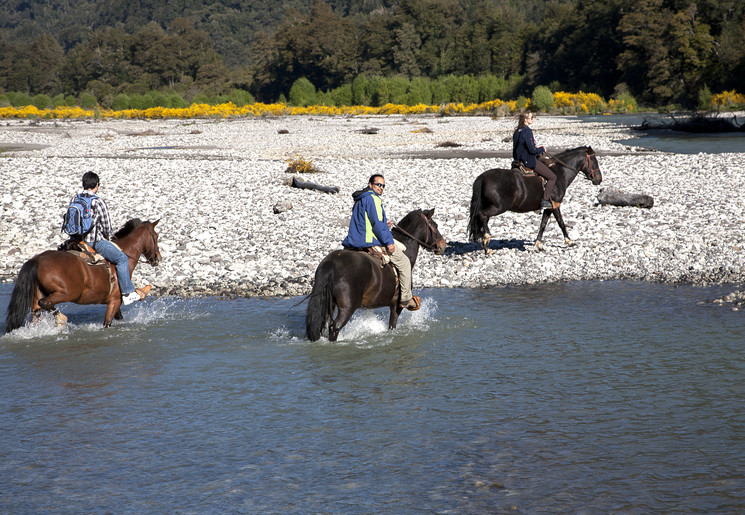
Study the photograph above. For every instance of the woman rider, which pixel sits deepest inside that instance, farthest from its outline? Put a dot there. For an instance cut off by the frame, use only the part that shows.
(525, 151)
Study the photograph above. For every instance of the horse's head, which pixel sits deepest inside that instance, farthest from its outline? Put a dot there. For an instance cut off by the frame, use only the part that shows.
(419, 226)
(591, 168)
(139, 237)
(151, 250)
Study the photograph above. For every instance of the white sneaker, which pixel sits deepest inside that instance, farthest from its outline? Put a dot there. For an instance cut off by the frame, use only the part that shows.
(130, 298)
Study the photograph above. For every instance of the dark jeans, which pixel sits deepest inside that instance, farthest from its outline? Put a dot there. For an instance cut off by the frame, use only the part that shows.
(545, 172)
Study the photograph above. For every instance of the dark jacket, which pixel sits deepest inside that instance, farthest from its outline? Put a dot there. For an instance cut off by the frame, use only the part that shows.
(368, 226)
(524, 148)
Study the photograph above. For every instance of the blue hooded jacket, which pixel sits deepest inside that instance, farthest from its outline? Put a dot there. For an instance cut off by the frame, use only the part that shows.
(523, 147)
(368, 226)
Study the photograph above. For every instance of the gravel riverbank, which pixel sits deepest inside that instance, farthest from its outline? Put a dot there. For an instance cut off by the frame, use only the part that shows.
(214, 184)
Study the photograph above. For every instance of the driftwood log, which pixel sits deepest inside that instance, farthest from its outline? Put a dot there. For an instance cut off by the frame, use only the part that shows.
(305, 185)
(613, 197)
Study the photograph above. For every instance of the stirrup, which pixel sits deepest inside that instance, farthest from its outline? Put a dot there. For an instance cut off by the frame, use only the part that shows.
(417, 303)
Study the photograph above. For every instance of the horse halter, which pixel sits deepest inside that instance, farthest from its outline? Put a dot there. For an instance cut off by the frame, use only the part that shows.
(147, 261)
(430, 230)
(588, 163)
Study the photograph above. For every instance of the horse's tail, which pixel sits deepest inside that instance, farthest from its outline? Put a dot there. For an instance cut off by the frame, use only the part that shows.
(23, 294)
(320, 305)
(475, 230)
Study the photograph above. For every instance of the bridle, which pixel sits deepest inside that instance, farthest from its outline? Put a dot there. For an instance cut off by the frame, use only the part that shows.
(586, 163)
(430, 230)
(139, 259)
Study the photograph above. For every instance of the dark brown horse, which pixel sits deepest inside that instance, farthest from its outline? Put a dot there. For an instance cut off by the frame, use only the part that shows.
(348, 279)
(499, 190)
(55, 276)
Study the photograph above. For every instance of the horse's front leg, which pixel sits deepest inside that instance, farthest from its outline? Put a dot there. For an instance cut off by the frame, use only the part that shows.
(560, 220)
(544, 220)
(112, 309)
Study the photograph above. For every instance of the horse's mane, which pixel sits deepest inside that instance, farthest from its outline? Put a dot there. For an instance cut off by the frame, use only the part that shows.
(408, 218)
(130, 226)
(586, 148)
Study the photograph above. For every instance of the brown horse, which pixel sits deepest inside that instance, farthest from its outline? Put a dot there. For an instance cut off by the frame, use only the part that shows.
(499, 190)
(55, 276)
(348, 279)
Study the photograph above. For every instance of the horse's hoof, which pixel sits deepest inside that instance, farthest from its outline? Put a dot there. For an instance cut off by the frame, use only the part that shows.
(569, 243)
(60, 319)
(538, 245)
(485, 244)
(488, 252)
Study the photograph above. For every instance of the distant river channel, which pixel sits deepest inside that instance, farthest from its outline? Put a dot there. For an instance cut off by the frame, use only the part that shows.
(584, 397)
(674, 141)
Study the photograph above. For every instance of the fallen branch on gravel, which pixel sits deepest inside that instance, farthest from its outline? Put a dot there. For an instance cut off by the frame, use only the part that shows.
(304, 185)
(613, 197)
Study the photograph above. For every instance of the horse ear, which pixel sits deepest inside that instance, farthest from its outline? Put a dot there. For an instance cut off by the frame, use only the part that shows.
(156, 222)
(429, 212)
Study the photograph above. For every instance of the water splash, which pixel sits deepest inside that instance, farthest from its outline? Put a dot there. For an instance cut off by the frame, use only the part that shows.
(90, 318)
(46, 326)
(369, 328)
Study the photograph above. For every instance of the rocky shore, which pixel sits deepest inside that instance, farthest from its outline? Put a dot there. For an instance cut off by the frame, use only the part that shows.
(214, 185)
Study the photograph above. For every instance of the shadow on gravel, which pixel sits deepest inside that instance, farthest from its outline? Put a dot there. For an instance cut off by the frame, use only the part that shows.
(457, 248)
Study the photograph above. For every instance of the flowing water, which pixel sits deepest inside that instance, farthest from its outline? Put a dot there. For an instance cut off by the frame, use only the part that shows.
(587, 397)
(673, 141)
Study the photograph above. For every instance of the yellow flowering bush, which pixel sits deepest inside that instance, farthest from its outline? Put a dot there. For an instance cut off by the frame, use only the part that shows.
(563, 102)
(578, 103)
(728, 99)
(300, 165)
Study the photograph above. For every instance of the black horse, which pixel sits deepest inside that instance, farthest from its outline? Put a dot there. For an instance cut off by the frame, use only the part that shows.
(348, 279)
(499, 190)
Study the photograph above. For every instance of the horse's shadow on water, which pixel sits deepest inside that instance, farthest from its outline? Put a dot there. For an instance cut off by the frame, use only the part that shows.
(458, 248)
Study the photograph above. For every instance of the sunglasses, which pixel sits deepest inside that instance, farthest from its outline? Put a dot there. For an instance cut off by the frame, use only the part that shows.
(379, 185)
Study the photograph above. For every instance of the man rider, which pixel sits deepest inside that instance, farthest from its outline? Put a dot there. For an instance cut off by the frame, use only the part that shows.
(369, 227)
(98, 238)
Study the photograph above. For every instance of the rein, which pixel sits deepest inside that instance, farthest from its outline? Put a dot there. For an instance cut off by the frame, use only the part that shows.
(426, 245)
(585, 163)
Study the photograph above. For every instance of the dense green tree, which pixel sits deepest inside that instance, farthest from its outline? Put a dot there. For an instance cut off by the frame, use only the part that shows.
(320, 46)
(666, 51)
(303, 93)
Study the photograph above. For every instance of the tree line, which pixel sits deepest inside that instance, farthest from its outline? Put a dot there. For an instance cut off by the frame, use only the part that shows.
(661, 52)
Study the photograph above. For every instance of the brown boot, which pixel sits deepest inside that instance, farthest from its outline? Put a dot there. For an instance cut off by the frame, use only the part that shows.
(412, 304)
(142, 292)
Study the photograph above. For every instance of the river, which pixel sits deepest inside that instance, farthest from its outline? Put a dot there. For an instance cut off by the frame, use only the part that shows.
(674, 141)
(586, 397)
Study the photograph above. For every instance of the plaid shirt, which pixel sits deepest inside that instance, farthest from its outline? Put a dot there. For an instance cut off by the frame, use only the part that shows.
(101, 221)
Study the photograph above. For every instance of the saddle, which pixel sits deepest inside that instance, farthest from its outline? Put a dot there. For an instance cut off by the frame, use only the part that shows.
(529, 172)
(520, 167)
(83, 251)
(378, 253)
(89, 256)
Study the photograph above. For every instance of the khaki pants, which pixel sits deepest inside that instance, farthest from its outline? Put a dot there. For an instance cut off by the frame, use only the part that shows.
(403, 265)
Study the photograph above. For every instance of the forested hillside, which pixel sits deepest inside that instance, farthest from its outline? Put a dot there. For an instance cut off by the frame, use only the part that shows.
(660, 51)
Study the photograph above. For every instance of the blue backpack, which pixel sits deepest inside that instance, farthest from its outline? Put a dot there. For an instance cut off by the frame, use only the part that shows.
(78, 220)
